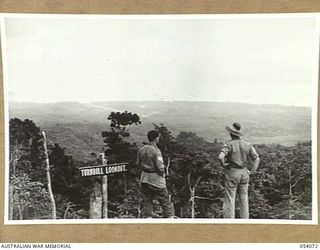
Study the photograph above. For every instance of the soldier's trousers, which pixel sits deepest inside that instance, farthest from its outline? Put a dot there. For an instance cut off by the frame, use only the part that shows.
(236, 182)
(150, 193)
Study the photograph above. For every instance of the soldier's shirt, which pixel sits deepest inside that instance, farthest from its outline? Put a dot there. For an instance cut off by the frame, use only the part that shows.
(240, 152)
(150, 158)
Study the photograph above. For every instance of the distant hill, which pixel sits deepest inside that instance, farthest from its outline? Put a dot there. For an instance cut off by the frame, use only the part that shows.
(78, 126)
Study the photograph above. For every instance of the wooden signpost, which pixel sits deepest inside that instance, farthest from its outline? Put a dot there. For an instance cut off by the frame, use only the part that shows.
(103, 170)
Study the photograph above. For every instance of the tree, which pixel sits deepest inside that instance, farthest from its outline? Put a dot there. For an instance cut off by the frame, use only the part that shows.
(26, 149)
(192, 162)
(259, 207)
(30, 198)
(293, 180)
(53, 203)
(282, 188)
(67, 183)
(119, 148)
(117, 145)
(27, 172)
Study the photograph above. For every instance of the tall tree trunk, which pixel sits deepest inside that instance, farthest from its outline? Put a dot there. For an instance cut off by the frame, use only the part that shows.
(192, 203)
(53, 204)
(95, 211)
(192, 193)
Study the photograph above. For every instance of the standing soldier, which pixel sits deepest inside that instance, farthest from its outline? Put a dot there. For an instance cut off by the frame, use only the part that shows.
(153, 182)
(235, 157)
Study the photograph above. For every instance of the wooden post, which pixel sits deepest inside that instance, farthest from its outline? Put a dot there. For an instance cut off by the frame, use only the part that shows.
(96, 202)
(99, 195)
(53, 204)
(104, 190)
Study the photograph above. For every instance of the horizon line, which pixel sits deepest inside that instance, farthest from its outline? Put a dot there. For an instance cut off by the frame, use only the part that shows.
(193, 101)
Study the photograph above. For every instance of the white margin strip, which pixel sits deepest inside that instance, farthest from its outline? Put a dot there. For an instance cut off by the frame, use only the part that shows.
(6, 114)
(316, 16)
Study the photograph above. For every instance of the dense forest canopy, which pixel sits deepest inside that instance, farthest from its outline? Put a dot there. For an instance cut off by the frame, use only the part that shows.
(281, 189)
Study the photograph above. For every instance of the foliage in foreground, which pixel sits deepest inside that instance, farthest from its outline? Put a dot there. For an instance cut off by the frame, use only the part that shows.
(281, 189)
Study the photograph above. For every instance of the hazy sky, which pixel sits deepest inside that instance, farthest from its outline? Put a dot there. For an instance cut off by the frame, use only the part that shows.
(235, 60)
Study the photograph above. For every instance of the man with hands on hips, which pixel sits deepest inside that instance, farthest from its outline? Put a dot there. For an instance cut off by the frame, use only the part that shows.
(235, 156)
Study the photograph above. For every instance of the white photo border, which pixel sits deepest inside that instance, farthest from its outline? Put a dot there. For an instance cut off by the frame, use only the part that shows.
(314, 118)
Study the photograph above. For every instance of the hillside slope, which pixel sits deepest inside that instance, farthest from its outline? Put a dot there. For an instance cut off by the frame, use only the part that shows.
(78, 126)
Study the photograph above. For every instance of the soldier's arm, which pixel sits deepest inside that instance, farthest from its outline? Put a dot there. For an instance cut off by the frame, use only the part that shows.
(255, 158)
(221, 157)
(255, 165)
(223, 154)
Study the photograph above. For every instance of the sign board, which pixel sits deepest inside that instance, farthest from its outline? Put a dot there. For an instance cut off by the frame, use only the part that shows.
(103, 169)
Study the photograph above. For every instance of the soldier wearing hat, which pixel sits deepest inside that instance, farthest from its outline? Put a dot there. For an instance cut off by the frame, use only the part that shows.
(236, 156)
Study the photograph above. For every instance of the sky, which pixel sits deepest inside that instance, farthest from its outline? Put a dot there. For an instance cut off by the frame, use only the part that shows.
(250, 60)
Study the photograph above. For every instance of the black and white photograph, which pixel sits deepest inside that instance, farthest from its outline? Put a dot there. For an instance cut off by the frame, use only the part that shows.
(160, 118)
